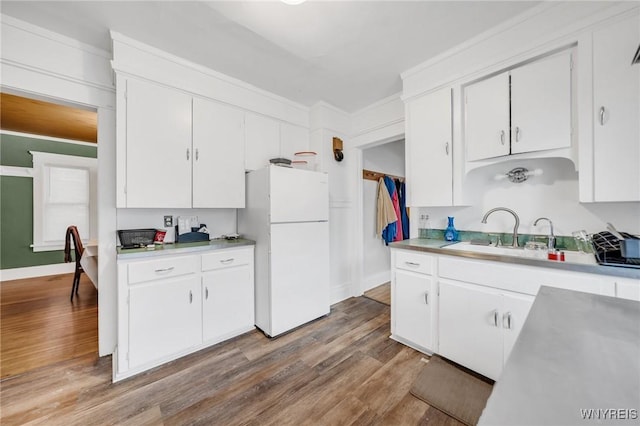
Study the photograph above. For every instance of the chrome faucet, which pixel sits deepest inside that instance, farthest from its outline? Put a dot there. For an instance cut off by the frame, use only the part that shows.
(551, 238)
(515, 228)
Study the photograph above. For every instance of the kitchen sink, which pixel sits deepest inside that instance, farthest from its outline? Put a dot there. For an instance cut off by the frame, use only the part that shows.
(570, 256)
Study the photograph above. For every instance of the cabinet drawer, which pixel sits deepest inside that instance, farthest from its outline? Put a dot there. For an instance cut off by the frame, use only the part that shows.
(416, 262)
(225, 259)
(156, 269)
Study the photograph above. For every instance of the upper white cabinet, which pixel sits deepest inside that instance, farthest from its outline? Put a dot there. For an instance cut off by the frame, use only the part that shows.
(616, 115)
(157, 146)
(218, 155)
(177, 148)
(267, 138)
(486, 129)
(526, 109)
(429, 150)
(541, 105)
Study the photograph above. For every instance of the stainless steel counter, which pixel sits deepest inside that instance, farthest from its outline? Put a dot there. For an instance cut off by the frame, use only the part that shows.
(182, 248)
(437, 246)
(578, 356)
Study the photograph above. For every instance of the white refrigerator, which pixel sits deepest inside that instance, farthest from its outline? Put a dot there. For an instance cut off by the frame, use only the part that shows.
(287, 214)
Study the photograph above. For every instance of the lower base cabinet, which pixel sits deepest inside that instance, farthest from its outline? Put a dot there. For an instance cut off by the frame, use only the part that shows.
(412, 297)
(479, 325)
(162, 317)
(169, 306)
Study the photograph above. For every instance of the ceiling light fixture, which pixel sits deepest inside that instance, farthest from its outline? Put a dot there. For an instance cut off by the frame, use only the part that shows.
(293, 2)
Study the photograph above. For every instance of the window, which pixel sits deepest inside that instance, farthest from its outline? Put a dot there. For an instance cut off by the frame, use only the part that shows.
(64, 193)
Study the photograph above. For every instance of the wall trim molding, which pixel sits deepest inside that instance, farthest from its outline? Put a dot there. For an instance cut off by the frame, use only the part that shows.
(14, 171)
(377, 279)
(36, 271)
(49, 138)
(341, 292)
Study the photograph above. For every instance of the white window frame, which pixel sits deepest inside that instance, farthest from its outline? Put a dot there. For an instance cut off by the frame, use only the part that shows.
(43, 160)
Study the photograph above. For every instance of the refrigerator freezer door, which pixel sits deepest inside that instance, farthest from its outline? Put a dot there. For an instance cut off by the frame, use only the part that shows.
(298, 195)
(299, 274)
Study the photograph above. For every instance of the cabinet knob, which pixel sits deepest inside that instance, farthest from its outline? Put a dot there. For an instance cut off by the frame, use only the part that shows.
(188, 154)
(495, 317)
(197, 154)
(190, 296)
(227, 261)
(412, 264)
(446, 148)
(164, 270)
(517, 134)
(506, 318)
(426, 298)
(206, 293)
(502, 137)
(602, 111)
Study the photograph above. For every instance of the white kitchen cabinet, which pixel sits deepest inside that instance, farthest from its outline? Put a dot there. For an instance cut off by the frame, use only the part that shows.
(429, 150)
(293, 139)
(413, 300)
(172, 305)
(486, 129)
(178, 149)
(616, 115)
(627, 288)
(525, 109)
(479, 325)
(227, 294)
(158, 146)
(164, 318)
(262, 141)
(218, 155)
(266, 138)
(541, 105)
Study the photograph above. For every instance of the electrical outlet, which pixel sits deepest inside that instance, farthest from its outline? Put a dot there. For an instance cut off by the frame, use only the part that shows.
(168, 221)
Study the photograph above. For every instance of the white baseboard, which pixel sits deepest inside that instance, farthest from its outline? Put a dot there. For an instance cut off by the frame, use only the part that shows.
(36, 271)
(341, 292)
(377, 279)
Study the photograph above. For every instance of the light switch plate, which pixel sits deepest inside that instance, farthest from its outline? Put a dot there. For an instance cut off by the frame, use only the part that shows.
(168, 221)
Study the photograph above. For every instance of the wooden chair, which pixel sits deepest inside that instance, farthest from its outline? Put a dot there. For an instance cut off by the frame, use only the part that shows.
(72, 234)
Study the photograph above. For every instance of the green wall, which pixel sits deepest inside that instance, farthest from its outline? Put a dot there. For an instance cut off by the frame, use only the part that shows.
(16, 200)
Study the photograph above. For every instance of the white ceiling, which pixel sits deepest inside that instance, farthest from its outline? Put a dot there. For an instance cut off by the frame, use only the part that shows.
(347, 53)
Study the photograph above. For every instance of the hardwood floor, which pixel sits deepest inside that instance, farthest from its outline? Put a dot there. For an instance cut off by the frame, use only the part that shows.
(381, 294)
(40, 326)
(340, 370)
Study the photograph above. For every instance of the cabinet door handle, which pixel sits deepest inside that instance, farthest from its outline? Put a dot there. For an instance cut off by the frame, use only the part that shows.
(165, 270)
(602, 116)
(206, 293)
(190, 296)
(517, 134)
(188, 153)
(227, 261)
(412, 264)
(426, 298)
(197, 154)
(495, 317)
(446, 148)
(502, 137)
(509, 320)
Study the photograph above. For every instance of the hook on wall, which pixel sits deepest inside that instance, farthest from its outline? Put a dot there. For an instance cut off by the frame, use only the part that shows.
(337, 149)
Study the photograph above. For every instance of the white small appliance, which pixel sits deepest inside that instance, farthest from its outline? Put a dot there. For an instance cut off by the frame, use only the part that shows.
(287, 214)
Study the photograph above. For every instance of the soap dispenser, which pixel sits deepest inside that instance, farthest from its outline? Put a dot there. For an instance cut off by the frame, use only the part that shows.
(450, 234)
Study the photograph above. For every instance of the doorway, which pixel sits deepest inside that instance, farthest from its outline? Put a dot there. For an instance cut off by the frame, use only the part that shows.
(389, 159)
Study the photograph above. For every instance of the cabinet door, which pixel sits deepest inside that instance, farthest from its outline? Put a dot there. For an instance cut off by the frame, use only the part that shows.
(227, 302)
(616, 95)
(486, 129)
(412, 300)
(158, 159)
(165, 317)
(262, 141)
(515, 311)
(541, 105)
(471, 327)
(293, 139)
(218, 162)
(430, 150)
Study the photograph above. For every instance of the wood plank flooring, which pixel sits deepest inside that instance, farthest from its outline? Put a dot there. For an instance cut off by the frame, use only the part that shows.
(339, 370)
(40, 326)
(381, 294)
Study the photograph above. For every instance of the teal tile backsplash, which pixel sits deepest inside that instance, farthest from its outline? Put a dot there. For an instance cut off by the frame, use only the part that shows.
(562, 242)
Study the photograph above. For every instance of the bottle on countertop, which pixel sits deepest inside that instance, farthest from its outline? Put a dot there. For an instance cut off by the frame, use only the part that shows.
(451, 233)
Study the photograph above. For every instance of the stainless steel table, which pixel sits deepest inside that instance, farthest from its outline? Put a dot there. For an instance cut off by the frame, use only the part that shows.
(576, 362)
